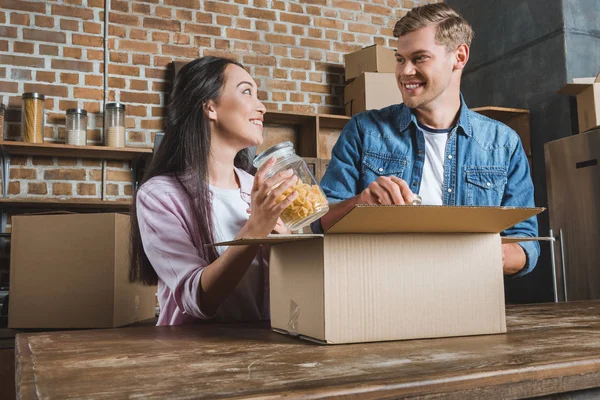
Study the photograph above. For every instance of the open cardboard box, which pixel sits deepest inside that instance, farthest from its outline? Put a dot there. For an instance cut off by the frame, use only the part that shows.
(587, 92)
(392, 273)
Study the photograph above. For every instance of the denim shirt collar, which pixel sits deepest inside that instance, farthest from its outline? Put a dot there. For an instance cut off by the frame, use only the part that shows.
(407, 116)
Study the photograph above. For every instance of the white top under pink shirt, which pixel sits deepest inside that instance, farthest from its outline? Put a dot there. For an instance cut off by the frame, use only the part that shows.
(177, 254)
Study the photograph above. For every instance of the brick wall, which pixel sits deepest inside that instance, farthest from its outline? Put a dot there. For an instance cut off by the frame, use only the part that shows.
(293, 49)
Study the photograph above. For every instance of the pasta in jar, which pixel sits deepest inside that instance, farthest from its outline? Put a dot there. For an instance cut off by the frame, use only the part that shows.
(311, 203)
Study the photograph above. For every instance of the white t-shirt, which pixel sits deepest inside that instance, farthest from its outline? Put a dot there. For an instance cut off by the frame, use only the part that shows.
(432, 182)
(229, 216)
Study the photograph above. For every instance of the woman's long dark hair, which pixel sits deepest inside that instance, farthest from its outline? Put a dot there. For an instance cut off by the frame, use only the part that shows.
(184, 155)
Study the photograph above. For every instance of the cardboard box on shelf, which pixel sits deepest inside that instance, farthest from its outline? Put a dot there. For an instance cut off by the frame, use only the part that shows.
(393, 273)
(371, 91)
(373, 58)
(587, 92)
(71, 271)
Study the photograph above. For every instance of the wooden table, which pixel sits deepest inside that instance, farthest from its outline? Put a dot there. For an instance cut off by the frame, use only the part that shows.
(550, 348)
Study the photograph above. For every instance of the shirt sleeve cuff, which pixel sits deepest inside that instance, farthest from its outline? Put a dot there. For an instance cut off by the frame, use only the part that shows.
(531, 255)
(187, 299)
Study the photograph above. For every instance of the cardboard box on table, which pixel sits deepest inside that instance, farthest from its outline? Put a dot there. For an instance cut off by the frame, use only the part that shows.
(392, 273)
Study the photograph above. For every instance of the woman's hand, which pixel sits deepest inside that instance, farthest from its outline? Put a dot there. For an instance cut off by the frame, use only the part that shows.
(265, 211)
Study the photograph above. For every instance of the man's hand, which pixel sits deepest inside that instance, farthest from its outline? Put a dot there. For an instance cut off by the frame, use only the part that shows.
(386, 190)
(513, 258)
(280, 228)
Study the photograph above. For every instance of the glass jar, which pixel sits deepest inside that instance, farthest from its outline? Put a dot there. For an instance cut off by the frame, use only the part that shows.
(32, 117)
(76, 125)
(2, 121)
(114, 125)
(311, 203)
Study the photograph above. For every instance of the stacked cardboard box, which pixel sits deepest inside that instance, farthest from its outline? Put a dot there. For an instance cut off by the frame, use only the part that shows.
(587, 91)
(370, 80)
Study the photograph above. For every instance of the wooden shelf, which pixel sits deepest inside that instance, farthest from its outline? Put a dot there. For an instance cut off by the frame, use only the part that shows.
(313, 135)
(54, 204)
(69, 151)
(286, 118)
(332, 121)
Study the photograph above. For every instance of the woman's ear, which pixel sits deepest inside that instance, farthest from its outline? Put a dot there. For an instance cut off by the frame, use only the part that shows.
(210, 110)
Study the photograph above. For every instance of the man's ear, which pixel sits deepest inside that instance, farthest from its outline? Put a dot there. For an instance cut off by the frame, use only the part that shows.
(461, 57)
(210, 110)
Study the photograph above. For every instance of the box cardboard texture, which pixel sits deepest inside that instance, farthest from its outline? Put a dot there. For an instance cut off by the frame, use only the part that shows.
(393, 273)
(373, 58)
(587, 92)
(71, 271)
(371, 91)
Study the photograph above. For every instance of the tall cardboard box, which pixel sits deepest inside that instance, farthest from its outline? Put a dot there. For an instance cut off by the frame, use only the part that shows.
(71, 271)
(371, 91)
(587, 91)
(373, 58)
(392, 273)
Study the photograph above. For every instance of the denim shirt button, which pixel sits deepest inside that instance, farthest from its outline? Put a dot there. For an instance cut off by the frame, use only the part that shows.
(488, 184)
(415, 183)
(420, 152)
(449, 190)
(450, 157)
(380, 169)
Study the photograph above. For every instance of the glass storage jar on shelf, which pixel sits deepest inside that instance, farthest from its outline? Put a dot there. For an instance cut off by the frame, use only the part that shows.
(76, 124)
(2, 110)
(311, 203)
(114, 125)
(32, 117)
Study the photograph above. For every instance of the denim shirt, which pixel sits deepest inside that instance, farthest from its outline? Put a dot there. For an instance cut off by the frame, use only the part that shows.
(485, 164)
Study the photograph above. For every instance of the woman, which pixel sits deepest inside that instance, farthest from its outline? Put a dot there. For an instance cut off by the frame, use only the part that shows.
(195, 192)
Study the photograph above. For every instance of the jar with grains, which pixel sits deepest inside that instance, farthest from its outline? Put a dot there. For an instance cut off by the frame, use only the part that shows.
(114, 125)
(32, 117)
(76, 124)
(311, 203)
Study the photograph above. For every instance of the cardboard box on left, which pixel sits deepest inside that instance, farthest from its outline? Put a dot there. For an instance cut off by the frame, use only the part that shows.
(71, 271)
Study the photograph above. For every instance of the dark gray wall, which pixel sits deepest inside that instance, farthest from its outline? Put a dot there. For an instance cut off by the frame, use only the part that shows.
(523, 52)
(582, 30)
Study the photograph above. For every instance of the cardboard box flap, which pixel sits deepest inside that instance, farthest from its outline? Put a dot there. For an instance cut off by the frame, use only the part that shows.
(430, 219)
(578, 85)
(271, 239)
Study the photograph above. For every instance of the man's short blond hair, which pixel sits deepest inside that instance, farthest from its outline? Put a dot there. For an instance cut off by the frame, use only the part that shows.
(452, 29)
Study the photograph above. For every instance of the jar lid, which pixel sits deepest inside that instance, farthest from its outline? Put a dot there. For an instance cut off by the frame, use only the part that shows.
(115, 106)
(77, 111)
(265, 155)
(31, 95)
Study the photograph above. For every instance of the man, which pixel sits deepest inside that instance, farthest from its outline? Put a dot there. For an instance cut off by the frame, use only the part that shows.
(432, 145)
